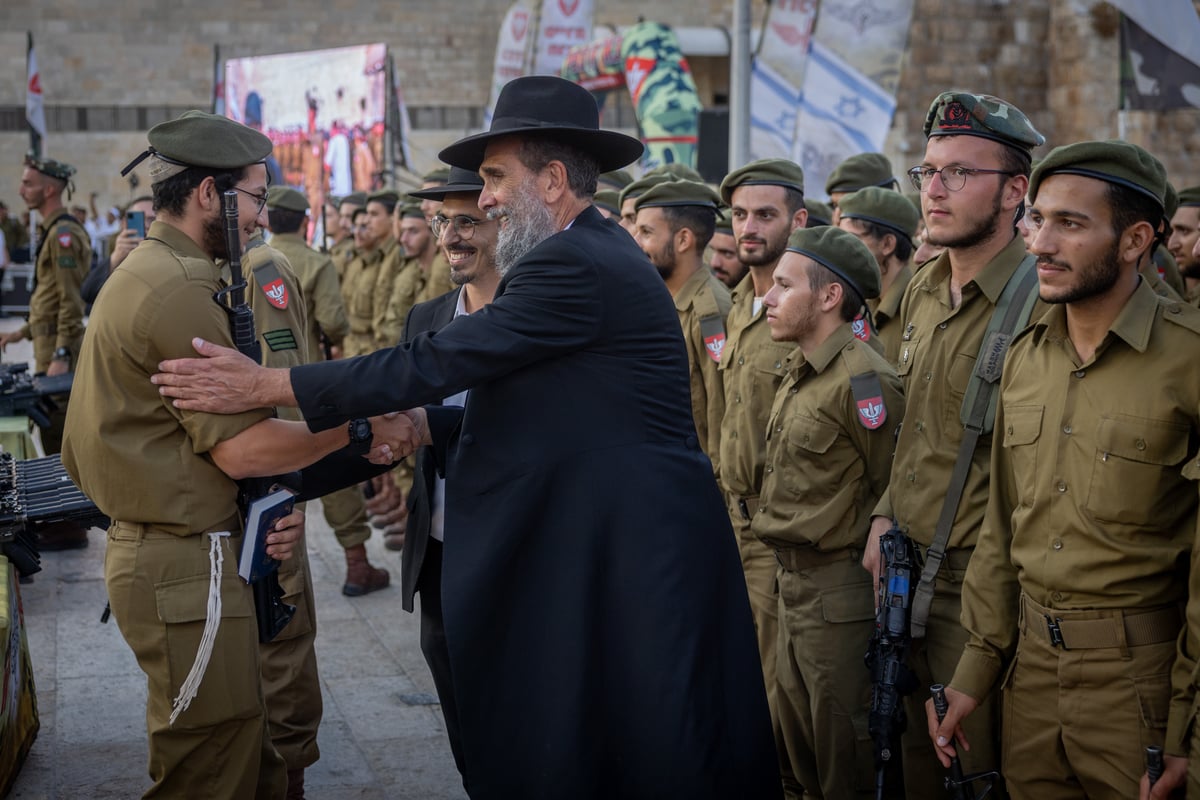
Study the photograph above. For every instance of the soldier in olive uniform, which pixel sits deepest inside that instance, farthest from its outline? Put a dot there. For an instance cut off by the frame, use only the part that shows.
(674, 223)
(885, 221)
(828, 457)
(973, 180)
(723, 254)
(1185, 235)
(343, 250)
(166, 477)
(858, 172)
(632, 191)
(1073, 597)
(62, 260)
(419, 252)
(767, 202)
(291, 682)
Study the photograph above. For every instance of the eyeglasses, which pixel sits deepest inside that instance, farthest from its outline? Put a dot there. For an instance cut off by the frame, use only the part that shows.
(463, 225)
(260, 200)
(953, 178)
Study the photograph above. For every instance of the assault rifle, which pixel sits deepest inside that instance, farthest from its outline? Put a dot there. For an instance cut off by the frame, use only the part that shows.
(272, 613)
(22, 394)
(887, 656)
(958, 784)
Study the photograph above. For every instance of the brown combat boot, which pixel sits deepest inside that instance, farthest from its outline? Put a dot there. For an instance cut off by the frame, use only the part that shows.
(361, 577)
(295, 789)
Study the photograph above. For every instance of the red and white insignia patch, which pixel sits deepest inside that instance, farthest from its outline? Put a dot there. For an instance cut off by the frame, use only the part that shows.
(872, 412)
(860, 329)
(277, 293)
(715, 345)
(64, 239)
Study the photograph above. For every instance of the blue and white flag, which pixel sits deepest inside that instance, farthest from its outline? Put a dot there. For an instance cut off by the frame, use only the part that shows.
(773, 106)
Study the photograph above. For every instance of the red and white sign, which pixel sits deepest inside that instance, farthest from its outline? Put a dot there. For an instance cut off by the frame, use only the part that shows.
(512, 52)
(564, 24)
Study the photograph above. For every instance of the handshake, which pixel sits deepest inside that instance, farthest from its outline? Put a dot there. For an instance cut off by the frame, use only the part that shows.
(397, 435)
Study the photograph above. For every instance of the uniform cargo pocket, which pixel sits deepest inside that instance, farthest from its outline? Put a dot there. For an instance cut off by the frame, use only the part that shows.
(848, 603)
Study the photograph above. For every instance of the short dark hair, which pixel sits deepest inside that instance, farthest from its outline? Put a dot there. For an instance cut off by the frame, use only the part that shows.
(701, 221)
(285, 220)
(904, 245)
(820, 276)
(171, 194)
(793, 200)
(1128, 207)
(582, 168)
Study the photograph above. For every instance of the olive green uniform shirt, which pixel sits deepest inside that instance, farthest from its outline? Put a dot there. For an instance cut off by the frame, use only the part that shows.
(127, 447)
(341, 254)
(825, 469)
(1091, 505)
(752, 367)
(703, 297)
(885, 309)
(56, 307)
(324, 307)
(438, 282)
(938, 349)
(358, 290)
(406, 288)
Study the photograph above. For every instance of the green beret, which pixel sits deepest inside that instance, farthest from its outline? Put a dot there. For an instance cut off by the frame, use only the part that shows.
(725, 222)
(198, 139)
(59, 170)
(679, 193)
(389, 197)
(617, 179)
(1190, 196)
(678, 171)
(1113, 161)
(287, 199)
(1171, 201)
(355, 199)
(439, 175)
(410, 209)
(638, 188)
(764, 172)
(818, 213)
(842, 253)
(609, 200)
(882, 207)
(956, 113)
(860, 171)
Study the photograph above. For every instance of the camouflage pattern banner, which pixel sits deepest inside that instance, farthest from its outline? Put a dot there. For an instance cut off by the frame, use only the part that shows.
(664, 94)
(597, 67)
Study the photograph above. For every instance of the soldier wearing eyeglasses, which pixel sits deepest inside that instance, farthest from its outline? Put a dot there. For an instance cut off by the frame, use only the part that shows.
(973, 180)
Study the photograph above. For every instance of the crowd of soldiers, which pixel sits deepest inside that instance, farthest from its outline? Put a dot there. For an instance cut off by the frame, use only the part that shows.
(846, 381)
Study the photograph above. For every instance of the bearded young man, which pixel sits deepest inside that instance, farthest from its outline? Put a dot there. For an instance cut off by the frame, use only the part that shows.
(596, 617)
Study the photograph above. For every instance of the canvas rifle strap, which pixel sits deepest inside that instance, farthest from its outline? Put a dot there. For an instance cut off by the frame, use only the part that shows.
(978, 416)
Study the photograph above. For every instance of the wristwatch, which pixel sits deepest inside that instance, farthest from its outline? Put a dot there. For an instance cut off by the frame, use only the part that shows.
(360, 436)
(62, 354)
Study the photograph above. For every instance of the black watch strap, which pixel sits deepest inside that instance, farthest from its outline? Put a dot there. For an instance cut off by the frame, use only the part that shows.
(360, 436)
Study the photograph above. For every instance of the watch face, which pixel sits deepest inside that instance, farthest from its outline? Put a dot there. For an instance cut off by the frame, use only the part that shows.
(360, 430)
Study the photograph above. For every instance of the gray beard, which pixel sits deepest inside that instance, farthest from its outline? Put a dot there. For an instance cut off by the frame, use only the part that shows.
(528, 223)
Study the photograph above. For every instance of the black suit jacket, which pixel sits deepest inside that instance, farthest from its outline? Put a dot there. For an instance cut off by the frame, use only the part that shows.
(432, 315)
(595, 609)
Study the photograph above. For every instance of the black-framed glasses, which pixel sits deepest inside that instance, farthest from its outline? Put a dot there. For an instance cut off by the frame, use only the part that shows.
(953, 178)
(260, 200)
(463, 225)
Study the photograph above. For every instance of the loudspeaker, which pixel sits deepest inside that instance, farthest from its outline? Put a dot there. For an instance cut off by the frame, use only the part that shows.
(712, 147)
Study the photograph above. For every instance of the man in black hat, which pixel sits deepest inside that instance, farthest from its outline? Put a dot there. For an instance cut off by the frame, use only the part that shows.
(64, 255)
(596, 616)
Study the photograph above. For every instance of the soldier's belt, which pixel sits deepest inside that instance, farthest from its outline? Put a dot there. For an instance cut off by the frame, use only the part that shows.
(143, 530)
(1094, 629)
(797, 559)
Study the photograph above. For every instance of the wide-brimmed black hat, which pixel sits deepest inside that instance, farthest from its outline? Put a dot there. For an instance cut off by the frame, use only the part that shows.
(460, 180)
(545, 104)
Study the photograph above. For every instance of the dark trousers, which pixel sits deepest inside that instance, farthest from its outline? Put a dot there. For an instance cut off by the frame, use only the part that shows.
(433, 645)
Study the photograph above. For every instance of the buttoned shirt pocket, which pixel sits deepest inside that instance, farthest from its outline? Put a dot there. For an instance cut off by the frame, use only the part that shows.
(1022, 430)
(808, 440)
(1130, 457)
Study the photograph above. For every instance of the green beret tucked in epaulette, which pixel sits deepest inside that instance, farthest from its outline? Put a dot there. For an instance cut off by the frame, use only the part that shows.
(764, 172)
(616, 179)
(818, 213)
(286, 198)
(679, 193)
(1190, 196)
(410, 209)
(676, 170)
(437, 175)
(957, 113)
(638, 188)
(725, 222)
(842, 253)
(1113, 161)
(59, 170)
(860, 171)
(882, 207)
(609, 200)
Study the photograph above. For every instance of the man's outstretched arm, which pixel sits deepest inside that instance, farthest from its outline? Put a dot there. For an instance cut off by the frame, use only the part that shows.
(223, 382)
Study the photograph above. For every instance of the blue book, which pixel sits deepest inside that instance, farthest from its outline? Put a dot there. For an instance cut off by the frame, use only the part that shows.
(261, 517)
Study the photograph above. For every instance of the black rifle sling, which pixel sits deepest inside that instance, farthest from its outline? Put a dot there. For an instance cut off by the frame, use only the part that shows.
(1011, 315)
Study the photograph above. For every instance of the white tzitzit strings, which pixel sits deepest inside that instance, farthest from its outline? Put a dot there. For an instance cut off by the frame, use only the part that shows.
(212, 620)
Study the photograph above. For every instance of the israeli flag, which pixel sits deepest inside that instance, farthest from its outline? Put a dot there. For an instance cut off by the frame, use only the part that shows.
(773, 106)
